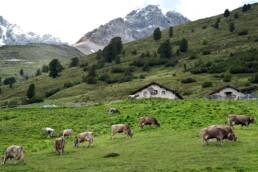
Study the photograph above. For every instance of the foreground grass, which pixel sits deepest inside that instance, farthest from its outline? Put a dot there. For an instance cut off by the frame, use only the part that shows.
(173, 147)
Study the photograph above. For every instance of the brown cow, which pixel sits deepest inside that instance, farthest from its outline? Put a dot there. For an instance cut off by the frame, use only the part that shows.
(242, 120)
(148, 121)
(121, 128)
(85, 136)
(13, 152)
(66, 133)
(217, 132)
(59, 145)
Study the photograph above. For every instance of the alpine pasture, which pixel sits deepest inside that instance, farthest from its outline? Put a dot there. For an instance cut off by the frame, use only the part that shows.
(175, 146)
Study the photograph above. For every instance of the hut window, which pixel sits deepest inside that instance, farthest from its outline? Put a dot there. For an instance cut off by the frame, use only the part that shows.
(163, 92)
(228, 94)
(154, 92)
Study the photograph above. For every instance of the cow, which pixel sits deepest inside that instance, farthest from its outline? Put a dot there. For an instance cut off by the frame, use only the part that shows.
(48, 131)
(228, 128)
(85, 136)
(218, 132)
(66, 133)
(113, 111)
(121, 128)
(13, 152)
(148, 121)
(242, 120)
(59, 145)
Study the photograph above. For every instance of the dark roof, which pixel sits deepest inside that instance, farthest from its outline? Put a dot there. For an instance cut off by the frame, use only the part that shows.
(154, 83)
(226, 86)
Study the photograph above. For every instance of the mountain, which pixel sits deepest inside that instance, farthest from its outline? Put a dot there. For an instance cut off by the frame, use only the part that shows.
(12, 34)
(137, 24)
(217, 55)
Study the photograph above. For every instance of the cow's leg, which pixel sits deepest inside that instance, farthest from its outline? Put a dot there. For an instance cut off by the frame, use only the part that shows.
(4, 160)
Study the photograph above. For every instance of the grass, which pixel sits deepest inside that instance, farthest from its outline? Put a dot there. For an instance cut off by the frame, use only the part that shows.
(175, 146)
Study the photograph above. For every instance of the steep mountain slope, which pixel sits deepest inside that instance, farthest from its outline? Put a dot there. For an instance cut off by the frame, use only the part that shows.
(31, 57)
(12, 34)
(214, 51)
(137, 24)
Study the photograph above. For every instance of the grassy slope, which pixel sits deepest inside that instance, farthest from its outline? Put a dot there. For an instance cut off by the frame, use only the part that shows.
(35, 54)
(220, 42)
(173, 147)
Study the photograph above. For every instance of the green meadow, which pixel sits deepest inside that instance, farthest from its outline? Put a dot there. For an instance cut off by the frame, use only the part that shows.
(175, 146)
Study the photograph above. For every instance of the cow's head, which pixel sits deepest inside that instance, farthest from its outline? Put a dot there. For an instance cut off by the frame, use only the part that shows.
(232, 137)
(252, 119)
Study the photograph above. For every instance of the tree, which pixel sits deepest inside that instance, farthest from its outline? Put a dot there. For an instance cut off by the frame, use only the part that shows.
(10, 81)
(99, 55)
(165, 49)
(31, 91)
(157, 34)
(171, 31)
(183, 45)
(246, 7)
(231, 27)
(216, 24)
(113, 49)
(91, 77)
(21, 72)
(55, 68)
(45, 69)
(75, 62)
(226, 13)
(38, 72)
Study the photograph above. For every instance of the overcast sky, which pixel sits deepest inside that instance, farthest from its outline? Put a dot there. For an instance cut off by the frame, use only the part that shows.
(71, 19)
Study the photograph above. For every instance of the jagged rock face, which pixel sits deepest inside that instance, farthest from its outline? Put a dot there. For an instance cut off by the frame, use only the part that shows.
(137, 24)
(12, 34)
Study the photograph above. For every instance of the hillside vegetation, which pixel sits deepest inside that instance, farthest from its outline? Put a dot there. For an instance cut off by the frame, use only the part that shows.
(221, 51)
(175, 146)
(32, 57)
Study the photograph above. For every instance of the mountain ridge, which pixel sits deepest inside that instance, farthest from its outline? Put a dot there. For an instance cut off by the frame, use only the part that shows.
(135, 25)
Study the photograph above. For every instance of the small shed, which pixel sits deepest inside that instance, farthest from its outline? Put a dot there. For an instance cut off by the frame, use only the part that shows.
(227, 93)
(155, 90)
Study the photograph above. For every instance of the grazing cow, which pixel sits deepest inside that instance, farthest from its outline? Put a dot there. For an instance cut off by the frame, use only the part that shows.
(218, 132)
(148, 121)
(66, 133)
(242, 120)
(59, 145)
(13, 152)
(48, 131)
(121, 128)
(113, 110)
(85, 136)
(228, 128)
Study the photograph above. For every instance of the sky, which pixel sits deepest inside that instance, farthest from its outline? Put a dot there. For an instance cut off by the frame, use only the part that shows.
(71, 19)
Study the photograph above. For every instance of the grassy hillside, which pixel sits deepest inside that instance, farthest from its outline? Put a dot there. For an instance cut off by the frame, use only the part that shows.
(32, 57)
(175, 146)
(214, 55)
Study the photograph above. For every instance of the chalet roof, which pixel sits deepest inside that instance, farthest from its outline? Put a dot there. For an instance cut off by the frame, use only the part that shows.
(154, 83)
(226, 86)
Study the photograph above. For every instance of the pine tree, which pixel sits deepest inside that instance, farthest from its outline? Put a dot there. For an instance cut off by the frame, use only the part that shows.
(55, 68)
(38, 72)
(157, 34)
(10, 81)
(75, 62)
(226, 13)
(21, 72)
(113, 49)
(183, 45)
(171, 31)
(31, 91)
(231, 27)
(165, 49)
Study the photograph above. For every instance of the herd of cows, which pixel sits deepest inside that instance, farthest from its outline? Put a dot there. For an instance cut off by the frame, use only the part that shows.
(218, 132)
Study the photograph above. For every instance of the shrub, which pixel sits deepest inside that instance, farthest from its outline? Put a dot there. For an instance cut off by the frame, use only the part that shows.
(134, 52)
(55, 68)
(52, 92)
(243, 32)
(231, 27)
(117, 70)
(206, 84)
(236, 16)
(165, 49)
(9, 81)
(206, 52)
(188, 80)
(31, 91)
(157, 34)
(68, 85)
(183, 45)
(74, 62)
(254, 79)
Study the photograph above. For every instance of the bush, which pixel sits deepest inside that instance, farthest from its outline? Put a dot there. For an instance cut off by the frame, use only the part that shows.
(117, 70)
(157, 34)
(254, 79)
(51, 92)
(236, 16)
(246, 7)
(188, 80)
(183, 45)
(74, 62)
(206, 52)
(68, 84)
(134, 52)
(231, 27)
(226, 13)
(243, 32)
(206, 84)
